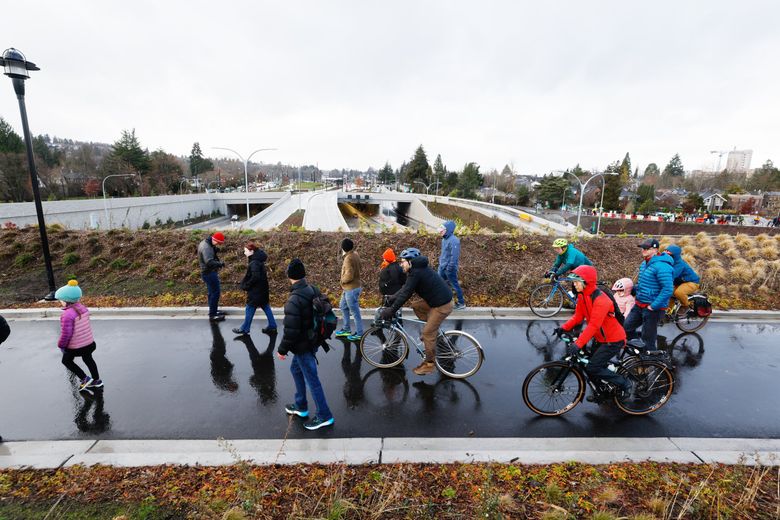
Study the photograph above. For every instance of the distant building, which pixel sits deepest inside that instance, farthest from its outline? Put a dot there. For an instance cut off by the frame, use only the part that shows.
(771, 203)
(739, 161)
(745, 202)
(714, 201)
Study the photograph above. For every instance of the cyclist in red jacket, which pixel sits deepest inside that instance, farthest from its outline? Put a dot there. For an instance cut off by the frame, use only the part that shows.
(597, 309)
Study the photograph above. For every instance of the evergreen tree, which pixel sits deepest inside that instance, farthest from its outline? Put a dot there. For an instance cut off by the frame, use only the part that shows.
(198, 164)
(625, 169)
(469, 181)
(417, 170)
(645, 192)
(14, 178)
(523, 195)
(386, 175)
(613, 185)
(50, 157)
(128, 150)
(674, 168)
(693, 202)
(10, 142)
(439, 173)
(551, 190)
(766, 178)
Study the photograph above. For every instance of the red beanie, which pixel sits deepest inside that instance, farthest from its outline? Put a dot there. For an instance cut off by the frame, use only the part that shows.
(389, 255)
(218, 237)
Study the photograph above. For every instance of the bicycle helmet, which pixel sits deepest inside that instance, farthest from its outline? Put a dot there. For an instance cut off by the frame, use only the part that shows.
(624, 284)
(560, 242)
(409, 253)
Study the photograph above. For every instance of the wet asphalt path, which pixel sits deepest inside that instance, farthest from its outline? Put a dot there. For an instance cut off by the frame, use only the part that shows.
(187, 379)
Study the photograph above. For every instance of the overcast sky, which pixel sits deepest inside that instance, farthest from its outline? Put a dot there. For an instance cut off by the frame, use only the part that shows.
(352, 84)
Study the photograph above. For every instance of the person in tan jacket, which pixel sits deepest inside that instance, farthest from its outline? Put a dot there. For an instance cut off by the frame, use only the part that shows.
(350, 297)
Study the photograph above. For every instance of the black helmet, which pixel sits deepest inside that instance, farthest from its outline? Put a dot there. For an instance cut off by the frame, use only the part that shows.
(409, 253)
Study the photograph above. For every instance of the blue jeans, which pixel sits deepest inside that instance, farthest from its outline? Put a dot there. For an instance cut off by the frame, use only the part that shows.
(451, 277)
(304, 372)
(648, 320)
(350, 303)
(249, 314)
(212, 285)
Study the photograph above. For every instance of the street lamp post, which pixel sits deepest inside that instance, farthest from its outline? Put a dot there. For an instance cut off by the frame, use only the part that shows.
(582, 191)
(427, 188)
(105, 205)
(16, 67)
(246, 171)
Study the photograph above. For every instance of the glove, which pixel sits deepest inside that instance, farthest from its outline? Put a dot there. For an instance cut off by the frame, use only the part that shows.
(573, 350)
(558, 331)
(387, 313)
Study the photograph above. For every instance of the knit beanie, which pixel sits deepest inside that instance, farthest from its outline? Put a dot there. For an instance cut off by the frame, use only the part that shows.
(70, 293)
(218, 237)
(389, 255)
(296, 271)
(347, 245)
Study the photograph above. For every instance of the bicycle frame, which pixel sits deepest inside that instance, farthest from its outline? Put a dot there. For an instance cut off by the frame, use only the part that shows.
(409, 337)
(558, 287)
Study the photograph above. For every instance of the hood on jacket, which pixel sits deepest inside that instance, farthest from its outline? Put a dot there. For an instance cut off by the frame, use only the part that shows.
(259, 256)
(389, 255)
(419, 262)
(449, 228)
(667, 259)
(674, 251)
(627, 283)
(589, 274)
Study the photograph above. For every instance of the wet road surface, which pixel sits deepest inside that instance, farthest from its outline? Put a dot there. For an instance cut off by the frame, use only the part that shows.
(189, 379)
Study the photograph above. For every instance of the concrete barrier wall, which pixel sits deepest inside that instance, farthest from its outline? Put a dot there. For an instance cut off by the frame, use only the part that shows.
(420, 213)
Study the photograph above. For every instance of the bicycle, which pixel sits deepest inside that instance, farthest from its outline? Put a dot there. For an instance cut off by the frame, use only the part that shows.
(386, 345)
(554, 388)
(694, 318)
(546, 300)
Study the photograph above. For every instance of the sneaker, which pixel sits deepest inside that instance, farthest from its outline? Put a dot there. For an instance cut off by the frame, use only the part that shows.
(459, 306)
(354, 337)
(96, 383)
(425, 368)
(317, 423)
(240, 332)
(628, 391)
(221, 313)
(343, 333)
(269, 330)
(292, 409)
(85, 383)
(218, 317)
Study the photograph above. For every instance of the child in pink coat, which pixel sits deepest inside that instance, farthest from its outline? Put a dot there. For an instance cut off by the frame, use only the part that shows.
(622, 292)
(76, 338)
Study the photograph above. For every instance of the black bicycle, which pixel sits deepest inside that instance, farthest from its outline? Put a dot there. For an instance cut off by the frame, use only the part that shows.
(555, 388)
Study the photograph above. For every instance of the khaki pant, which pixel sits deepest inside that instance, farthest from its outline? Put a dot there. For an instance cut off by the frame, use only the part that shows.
(433, 318)
(681, 293)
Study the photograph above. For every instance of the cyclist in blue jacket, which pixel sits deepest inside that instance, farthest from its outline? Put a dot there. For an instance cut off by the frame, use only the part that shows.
(654, 287)
(449, 259)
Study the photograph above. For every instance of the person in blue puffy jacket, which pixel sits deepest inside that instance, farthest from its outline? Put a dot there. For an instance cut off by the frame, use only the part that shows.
(449, 259)
(654, 287)
(686, 280)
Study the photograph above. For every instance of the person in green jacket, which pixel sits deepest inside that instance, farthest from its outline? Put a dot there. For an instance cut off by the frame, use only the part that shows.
(569, 257)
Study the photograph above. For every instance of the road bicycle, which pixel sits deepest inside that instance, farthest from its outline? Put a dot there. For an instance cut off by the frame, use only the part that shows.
(697, 315)
(555, 388)
(386, 345)
(546, 300)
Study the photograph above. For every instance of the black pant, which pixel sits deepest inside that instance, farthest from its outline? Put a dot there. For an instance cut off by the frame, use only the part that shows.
(597, 365)
(84, 353)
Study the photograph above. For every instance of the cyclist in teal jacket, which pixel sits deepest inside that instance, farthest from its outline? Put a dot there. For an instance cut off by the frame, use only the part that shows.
(569, 258)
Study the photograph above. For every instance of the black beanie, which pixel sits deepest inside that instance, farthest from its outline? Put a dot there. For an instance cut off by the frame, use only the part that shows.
(296, 271)
(347, 245)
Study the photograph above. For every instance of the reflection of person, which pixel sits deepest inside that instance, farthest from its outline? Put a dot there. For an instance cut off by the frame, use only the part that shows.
(100, 422)
(76, 339)
(209, 265)
(255, 283)
(353, 384)
(449, 260)
(299, 339)
(263, 379)
(221, 367)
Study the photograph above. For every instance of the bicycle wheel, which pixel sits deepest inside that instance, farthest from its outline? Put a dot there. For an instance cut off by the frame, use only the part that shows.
(653, 386)
(553, 389)
(384, 347)
(546, 300)
(458, 354)
(691, 322)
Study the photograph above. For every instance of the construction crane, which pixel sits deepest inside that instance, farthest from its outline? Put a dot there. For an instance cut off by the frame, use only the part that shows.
(720, 156)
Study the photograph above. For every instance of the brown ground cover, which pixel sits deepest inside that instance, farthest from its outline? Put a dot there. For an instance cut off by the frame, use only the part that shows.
(469, 218)
(159, 268)
(634, 227)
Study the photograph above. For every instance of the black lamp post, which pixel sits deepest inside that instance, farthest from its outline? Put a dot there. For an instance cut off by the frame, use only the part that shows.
(16, 67)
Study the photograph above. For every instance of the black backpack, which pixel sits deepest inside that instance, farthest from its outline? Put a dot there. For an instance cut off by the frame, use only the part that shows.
(5, 330)
(615, 308)
(325, 320)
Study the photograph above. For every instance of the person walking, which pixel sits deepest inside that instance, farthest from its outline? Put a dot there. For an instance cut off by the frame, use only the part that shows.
(298, 339)
(391, 275)
(350, 295)
(5, 331)
(654, 288)
(433, 307)
(449, 260)
(210, 264)
(255, 283)
(76, 338)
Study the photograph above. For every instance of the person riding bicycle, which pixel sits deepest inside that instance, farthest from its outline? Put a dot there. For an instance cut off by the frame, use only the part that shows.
(597, 309)
(433, 307)
(569, 257)
(686, 280)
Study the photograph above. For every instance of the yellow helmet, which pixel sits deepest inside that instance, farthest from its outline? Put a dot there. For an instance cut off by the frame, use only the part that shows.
(560, 242)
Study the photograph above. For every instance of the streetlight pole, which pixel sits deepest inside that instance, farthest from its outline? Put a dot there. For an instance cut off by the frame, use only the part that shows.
(582, 190)
(16, 67)
(105, 205)
(427, 188)
(246, 171)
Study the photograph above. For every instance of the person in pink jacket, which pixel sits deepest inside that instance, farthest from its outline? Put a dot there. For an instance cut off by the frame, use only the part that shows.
(76, 338)
(622, 292)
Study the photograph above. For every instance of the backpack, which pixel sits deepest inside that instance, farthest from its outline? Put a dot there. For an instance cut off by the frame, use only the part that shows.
(325, 320)
(701, 304)
(615, 308)
(5, 330)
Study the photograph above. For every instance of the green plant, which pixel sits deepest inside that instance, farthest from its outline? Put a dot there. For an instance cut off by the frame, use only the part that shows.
(119, 263)
(70, 258)
(96, 261)
(170, 283)
(146, 225)
(22, 259)
(147, 510)
(448, 492)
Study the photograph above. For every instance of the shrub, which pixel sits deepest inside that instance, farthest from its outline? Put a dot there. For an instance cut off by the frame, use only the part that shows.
(146, 225)
(22, 259)
(769, 251)
(704, 252)
(703, 239)
(96, 261)
(743, 241)
(152, 270)
(119, 263)
(684, 241)
(70, 258)
(715, 273)
(731, 253)
(10, 225)
(753, 252)
(55, 227)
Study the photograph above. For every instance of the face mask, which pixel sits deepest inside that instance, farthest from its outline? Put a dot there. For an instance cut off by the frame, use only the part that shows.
(247, 252)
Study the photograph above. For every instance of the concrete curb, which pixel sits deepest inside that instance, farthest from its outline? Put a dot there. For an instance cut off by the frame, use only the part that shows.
(602, 450)
(470, 313)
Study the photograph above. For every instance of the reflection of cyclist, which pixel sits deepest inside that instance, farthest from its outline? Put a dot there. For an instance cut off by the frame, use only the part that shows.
(686, 281)
(433, 308)
(597, 309)
(568, 258)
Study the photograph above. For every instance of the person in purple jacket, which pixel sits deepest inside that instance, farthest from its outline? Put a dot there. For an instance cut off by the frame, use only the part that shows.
(76, 339)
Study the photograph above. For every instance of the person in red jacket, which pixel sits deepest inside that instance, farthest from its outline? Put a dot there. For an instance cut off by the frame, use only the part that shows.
(597, 309)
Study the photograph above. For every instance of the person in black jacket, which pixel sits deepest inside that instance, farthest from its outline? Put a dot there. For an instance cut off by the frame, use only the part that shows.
(391, 276)
(299, 339)
(255, 283)
(435, 306)
(5, 331)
